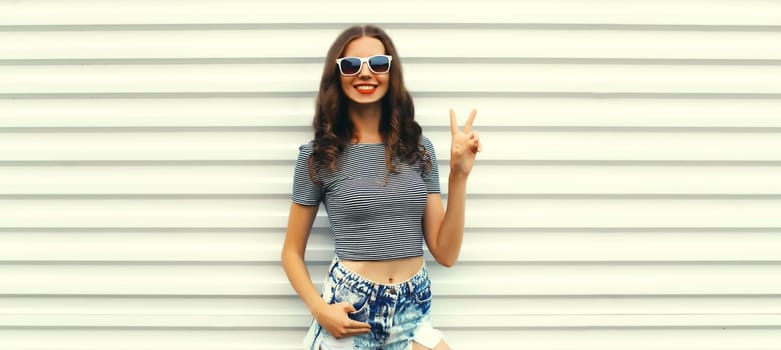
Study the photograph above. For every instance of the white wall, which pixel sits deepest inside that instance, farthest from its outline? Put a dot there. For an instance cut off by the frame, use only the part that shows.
(627, 196)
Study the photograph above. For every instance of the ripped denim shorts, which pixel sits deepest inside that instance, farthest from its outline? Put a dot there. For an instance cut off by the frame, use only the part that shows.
(398, 313)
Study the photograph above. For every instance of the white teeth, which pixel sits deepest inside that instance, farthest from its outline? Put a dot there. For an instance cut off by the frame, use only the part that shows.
(364, 87)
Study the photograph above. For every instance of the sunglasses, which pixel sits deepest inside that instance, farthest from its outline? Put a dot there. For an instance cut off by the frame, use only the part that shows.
(378, 64)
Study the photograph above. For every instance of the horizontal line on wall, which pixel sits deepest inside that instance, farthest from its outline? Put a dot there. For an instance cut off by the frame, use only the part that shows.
(146, 328)
(170, 162)
(442, 162)
(297, 128)
(323, 230)
(472, 231)
(604, 162)
(164, 61)
(488, 296)
(613, 328)
(392, 25)
(488, 330)
(136, 262)
(271, 230)
(483, 263)
(303, 329)
(677, 196)
(408, 59)
(705, 230)
(451, 94)
(519, 262)
(601, 95)
(601, 128)
(186, 230)
(175, 95)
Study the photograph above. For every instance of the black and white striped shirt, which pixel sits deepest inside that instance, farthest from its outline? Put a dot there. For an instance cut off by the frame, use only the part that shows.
(370, 220)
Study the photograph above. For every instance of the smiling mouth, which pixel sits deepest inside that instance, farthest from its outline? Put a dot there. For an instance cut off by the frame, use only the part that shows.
(365, 89)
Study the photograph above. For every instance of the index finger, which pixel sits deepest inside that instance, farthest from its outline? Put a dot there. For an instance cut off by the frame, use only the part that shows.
(359, 325)
(469, 121)
(453, 122)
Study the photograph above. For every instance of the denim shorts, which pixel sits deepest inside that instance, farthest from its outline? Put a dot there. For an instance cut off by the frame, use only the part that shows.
(398, 313)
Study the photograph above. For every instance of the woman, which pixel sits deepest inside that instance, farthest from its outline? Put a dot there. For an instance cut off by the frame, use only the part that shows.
(377, 177)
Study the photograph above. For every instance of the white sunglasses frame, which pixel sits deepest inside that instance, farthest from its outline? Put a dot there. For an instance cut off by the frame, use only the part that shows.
(363, 60)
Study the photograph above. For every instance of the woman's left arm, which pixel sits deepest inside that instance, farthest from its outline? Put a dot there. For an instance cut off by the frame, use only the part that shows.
(444, 229)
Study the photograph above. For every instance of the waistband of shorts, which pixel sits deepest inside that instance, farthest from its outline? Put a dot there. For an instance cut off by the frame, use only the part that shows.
(338, 270)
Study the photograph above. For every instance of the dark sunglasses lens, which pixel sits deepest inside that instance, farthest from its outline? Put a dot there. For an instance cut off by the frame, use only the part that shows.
(379, 64)
(350, 65)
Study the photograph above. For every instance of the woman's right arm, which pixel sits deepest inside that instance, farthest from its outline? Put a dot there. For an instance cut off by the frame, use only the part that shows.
(331, 317)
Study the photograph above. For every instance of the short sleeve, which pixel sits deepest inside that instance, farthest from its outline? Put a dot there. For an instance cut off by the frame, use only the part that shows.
(305, 191)
(431, 178)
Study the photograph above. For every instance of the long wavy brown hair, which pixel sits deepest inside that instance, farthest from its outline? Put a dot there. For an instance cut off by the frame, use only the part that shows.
(333, 128)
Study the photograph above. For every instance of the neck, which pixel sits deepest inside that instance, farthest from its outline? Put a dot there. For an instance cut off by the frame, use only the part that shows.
(366, 122)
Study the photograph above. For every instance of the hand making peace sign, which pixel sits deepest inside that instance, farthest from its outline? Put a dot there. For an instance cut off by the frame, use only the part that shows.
(464, 145)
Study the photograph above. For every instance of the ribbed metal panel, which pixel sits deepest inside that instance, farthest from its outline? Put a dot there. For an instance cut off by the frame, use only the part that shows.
(627, 196)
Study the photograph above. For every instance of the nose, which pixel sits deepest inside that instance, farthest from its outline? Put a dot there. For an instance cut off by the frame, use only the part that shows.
(365, 73)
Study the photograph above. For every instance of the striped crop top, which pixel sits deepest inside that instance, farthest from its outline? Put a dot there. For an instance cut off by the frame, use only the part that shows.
(370, 220)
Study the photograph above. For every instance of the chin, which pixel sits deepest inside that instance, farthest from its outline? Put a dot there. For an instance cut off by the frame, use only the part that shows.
(366, 99)
(363, 100)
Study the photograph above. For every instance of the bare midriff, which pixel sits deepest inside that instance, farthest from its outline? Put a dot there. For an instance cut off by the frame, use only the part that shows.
(386, 271)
